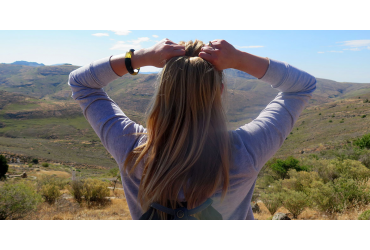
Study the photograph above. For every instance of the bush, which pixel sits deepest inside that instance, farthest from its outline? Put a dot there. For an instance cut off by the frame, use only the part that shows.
(364, 216)
(95, 191)
(4, 167)
(272, 201)
(352, 170)
(281, 167)
(45, 164)
(30, 165)
(77, 190)
(324, 198)
(50, 186)
(35, 161)
(91, 190)
(350, 192)
(17, 200)
(50, 192)
(295, 202)
(363, 142)
(300, 181)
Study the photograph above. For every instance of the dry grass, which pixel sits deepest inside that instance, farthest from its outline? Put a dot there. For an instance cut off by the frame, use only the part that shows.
(310, 214)
(68, 209)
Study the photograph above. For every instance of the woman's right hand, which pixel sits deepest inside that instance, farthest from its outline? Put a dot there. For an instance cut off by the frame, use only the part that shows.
(161, 52)
(221, 54)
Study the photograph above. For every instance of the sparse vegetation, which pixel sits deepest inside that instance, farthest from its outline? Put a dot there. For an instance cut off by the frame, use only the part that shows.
(365, 215)
(17, 200)
(45, 164)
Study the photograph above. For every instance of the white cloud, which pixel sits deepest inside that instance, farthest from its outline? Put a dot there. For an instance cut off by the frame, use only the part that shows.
(121, 45)
(155, 36)
(132, 44)
(334, 51)
(356, 43)
(251, 47)
(140, 39)
(353, 49)
(320, 52)
(100, 34)
(121, 32)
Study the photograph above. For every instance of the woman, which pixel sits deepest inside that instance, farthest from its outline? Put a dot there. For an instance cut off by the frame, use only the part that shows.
(186, 152)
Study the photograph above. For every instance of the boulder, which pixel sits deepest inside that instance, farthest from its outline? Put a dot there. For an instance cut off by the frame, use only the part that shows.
(280, 216)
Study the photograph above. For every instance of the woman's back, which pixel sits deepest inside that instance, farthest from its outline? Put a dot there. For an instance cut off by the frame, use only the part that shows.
(252, 144)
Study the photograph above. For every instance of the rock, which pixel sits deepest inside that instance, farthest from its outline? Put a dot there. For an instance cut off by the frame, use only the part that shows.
(280, 216)
(24, 175)
(255, 207)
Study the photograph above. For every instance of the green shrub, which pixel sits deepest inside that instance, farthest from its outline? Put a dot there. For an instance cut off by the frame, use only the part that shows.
(363, 116)
(30, 165)
(300, 181)
(91, 190)
(95, 191)
(35, 161)
(330, 121)
(324, 197)
(281, 167)
(341, 121)
(77, 190)
(45, 164)
(272, 201)
(350, 192)
(50, 192)
(4, 167)
(353, 170)
(364, 216)
(17, 200)
(363, 142)
(295, 202)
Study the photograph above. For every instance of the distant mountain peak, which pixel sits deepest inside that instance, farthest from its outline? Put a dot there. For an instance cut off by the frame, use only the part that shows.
(33, 64)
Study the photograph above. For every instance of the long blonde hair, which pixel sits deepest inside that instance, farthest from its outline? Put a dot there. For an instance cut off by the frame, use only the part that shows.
(187, 144)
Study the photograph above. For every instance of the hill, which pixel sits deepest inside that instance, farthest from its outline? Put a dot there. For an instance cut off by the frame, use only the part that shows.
(33, 64)
(38, 117)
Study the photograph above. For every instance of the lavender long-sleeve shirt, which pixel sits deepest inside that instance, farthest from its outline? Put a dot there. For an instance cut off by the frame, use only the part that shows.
(254, 143)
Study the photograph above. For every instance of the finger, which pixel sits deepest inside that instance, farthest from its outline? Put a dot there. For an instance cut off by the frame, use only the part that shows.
(208, 49)
(167, 41)
(179, 52)
(178, 47)
(205, 56)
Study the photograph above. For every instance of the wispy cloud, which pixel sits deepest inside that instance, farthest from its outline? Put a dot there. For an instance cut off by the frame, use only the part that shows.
(121, 45)
(356, 45)
(251, 47)
(335, 51)
(353, 49)
(155, 36)
(100, 34)
(320, 52)
(121, 32)
(132, 44)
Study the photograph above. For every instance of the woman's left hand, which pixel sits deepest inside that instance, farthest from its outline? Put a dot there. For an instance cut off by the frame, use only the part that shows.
(161, 52)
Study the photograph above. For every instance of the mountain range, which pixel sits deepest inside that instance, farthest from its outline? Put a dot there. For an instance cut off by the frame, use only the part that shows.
(38, 117)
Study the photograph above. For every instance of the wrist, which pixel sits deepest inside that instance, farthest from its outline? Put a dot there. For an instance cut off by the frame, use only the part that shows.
(140, 59)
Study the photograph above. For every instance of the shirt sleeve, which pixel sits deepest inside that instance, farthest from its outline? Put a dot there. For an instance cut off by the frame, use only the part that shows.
(115, 130)
(265, 135)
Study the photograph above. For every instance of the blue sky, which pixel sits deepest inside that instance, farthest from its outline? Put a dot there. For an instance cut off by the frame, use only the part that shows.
(337, 55)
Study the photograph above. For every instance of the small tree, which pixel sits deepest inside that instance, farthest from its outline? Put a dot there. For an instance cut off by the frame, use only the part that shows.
(272, 201)
(3, 167)
(114, 172)
(17, 200)
(295, 202)
(281, 167)
(35, 161)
